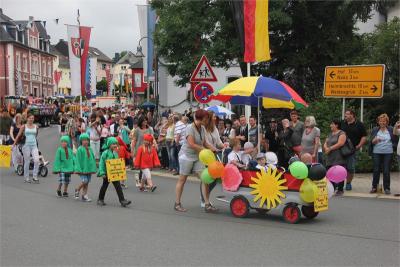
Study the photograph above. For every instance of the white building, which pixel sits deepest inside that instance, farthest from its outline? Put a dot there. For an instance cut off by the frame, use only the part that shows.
(378, 18)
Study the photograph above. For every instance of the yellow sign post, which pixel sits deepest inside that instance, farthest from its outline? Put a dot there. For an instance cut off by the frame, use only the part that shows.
(116, 170)
(5, 156)
(321, 196)
(364, 81)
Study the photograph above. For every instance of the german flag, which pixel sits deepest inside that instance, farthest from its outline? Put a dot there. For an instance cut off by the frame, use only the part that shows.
(251, 17)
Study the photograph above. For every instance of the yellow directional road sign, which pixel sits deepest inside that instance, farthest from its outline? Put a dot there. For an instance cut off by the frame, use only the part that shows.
(365, 81)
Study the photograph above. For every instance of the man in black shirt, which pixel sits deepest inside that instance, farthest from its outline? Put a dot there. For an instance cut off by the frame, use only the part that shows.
(272, 136)
(356, 132)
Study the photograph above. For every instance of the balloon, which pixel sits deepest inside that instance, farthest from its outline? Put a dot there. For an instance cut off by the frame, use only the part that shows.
(206, 156)
(330, 188)
(336, 174)
(231, 178)
(317, 172)
(299, 170)
(308, 191)
(205, 177)
(216, 169)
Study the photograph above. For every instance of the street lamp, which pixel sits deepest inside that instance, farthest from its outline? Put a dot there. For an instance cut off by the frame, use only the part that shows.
(139, 53)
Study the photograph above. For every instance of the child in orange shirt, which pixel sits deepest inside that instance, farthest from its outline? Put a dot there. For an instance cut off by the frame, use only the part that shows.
(146, 159)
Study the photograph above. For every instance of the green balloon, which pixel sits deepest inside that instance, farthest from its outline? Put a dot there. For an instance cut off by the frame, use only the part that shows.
(299, 170)
(206, 177)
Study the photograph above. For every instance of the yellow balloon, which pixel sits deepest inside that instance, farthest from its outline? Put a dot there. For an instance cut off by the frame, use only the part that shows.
(206, 156)
(308, 191)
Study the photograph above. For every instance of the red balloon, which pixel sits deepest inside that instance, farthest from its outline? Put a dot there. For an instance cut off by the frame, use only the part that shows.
(216, 169)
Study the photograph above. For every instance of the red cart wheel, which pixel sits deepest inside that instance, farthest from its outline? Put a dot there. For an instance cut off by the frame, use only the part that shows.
(240, 207)
(291, 214)
(308, 212)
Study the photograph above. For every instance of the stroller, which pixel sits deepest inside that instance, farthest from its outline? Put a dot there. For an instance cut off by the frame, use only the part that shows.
(43, 170)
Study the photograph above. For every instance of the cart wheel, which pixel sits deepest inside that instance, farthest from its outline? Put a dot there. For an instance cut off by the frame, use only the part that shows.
(44, 171)
(308, 212)
(20, 170)
(261, 211)
(291, 213)
(240, 207)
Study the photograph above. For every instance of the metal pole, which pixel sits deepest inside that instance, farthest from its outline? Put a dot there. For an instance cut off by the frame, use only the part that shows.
(362, 110)
(343, 107)
(247, 108)
(80, 96)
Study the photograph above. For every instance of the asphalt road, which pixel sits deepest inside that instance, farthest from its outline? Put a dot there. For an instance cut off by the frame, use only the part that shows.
(39, 229)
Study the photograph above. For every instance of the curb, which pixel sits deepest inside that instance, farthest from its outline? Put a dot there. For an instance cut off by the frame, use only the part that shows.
(346, 194)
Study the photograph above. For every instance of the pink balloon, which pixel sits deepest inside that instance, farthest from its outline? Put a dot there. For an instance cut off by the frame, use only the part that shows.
(231, 178)
(336, 174)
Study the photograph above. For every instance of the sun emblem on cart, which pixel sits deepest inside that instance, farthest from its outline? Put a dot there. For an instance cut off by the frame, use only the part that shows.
(267, 188)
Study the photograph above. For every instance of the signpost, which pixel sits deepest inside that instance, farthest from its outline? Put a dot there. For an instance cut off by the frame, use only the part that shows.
(363, 81)
(203, 93)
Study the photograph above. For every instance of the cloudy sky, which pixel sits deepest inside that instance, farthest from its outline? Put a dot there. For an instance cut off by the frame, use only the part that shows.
(115, 22)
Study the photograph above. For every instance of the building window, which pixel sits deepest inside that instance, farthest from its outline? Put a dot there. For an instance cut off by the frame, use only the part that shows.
(44, 69)
(24, 64)
(69, 75)
(103, 66)
(18, 62)
(138, 80)
(49, 72)
(123, 67)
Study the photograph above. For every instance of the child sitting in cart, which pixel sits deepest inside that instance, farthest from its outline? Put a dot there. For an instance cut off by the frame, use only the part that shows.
(235, 157)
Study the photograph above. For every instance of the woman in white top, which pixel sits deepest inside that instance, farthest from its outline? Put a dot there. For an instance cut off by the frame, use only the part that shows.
(29, 132)
(95, 134)
(169, 140)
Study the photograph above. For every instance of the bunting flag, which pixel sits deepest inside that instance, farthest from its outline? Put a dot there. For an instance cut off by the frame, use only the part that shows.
(251, 21)
(57, 76)
(93, 78)
(84, 33)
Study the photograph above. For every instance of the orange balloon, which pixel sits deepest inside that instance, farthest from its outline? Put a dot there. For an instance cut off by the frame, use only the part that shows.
(216, 169)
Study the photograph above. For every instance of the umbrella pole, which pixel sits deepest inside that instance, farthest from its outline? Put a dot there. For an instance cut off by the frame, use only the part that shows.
(247, 108)
(258, 126)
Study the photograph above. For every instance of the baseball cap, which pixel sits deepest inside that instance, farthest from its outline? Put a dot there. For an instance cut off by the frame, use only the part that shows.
(260, 156)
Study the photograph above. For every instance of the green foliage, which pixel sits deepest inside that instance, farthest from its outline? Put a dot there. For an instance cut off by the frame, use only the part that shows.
(102, 85)
(188, 29)
(324, 110)
(383, 47)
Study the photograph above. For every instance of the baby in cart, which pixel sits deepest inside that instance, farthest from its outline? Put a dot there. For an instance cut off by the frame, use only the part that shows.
(18, 162)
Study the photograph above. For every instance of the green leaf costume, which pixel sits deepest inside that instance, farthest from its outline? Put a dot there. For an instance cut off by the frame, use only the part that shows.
(85, 163)
(107, 154)
(61, 162)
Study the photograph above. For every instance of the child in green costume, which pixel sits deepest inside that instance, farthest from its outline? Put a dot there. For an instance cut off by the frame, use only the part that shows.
(85, 166)
(110, 152)
(64, 165)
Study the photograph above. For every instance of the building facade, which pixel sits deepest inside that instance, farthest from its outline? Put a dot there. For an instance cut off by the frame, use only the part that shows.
(26, 62)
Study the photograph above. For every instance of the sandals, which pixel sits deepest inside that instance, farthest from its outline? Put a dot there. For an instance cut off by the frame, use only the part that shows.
(209, 208)
(178, 207)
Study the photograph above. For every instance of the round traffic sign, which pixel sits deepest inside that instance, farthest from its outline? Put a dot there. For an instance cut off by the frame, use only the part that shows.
(203, 93)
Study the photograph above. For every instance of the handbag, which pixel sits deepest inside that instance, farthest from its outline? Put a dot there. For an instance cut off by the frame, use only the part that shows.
(348, 148)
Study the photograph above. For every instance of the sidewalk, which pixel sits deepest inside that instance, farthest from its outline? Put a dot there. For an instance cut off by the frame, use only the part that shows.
(361, 184)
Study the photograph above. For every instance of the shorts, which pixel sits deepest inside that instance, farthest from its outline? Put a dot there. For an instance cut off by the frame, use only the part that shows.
(186, 167)
(64, 178)
(351, 163)
(85, 178)
(146, 174)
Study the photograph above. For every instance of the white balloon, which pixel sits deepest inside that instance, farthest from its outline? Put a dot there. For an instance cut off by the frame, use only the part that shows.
(330, 188)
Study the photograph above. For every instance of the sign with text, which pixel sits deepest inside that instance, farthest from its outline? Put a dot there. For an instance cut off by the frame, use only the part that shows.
(364, 81)
(321, 196)
(5, 156)
(116, 170)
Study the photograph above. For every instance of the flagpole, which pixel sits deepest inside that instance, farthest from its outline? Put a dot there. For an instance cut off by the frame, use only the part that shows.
(247, 108)
(80, 59)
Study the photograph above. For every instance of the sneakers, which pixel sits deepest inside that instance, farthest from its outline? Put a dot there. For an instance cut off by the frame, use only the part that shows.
(27, 181)
(339, 193)
(85, 198)
(387, 191)
(35, 180)
(101, 202)
(65, 194)
(59, 193)
(125, 203)
(348, 187)
(77, 194)
(202, 204)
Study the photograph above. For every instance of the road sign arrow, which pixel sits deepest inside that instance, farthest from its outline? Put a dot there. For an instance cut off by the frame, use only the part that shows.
(374, 88)
(332, 74)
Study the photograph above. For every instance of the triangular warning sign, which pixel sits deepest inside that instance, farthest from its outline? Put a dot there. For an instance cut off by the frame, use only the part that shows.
(203, 72)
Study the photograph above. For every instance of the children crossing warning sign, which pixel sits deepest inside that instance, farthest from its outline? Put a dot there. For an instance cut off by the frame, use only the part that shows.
(203, 72)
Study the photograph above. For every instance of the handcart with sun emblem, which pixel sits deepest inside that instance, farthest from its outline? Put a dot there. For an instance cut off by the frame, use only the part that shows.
(265, 190)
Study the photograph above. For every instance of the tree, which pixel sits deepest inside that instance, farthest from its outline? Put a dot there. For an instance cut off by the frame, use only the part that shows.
(102, 86)
(383, 47)
(305, 36)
